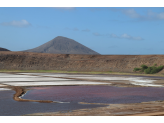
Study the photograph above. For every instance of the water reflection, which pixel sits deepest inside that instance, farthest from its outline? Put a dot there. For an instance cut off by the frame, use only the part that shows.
(96, 94)
(10, 107)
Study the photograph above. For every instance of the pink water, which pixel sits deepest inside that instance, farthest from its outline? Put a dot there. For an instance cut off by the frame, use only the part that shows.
(96, 94)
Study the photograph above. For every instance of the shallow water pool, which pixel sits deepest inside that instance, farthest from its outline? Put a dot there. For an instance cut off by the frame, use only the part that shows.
(96, 94)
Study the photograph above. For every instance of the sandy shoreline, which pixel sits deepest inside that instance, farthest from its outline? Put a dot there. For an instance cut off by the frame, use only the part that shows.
(20, 91)
(136, 109)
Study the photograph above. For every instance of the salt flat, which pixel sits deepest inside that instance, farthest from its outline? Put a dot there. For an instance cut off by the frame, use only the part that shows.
(133, 80)
(2, 80)
(55, 83)
(25, 79)
(4, 89)
(57, 75)
(69, 76)
(2, 85)
(17, 76)
(4, 74)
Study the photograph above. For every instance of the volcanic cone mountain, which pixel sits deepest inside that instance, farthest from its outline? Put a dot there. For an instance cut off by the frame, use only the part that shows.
(62, 45)
(3, 49)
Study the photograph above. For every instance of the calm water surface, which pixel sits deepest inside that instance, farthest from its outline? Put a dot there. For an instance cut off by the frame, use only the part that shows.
(10, 107)
(75, 94)
(96, 94)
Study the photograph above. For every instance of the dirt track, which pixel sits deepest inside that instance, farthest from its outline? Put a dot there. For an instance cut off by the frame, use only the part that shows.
(71, 62)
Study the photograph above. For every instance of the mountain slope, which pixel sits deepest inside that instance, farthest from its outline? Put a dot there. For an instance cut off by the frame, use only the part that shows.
(3, 49)
(62, 45)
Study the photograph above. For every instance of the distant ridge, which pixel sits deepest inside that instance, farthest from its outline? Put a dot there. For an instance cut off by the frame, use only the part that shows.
(63, 45)
(3, 49)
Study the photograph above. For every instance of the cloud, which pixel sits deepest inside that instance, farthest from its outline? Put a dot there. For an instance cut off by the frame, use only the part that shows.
(86, 30)
(155, 16)
(21, 23)
(65, 8)
(123, 36)
(160, 16)
(114, 36)
(126, 36)
(133, 14)
(97, 34)
(75, 29)
(128, 12)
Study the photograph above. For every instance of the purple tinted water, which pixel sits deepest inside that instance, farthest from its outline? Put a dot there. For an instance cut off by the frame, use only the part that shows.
(10, 107)
(96, 94)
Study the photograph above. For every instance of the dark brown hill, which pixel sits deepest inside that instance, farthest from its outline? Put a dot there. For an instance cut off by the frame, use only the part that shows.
(3, 49)
(74, 62)
(62, 45)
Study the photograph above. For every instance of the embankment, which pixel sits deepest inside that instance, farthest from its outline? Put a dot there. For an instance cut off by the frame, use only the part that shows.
(71, 62)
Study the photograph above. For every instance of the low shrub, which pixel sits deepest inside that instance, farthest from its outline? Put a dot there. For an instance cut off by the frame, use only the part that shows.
(149, 70)
(136, 69)
(143, 67)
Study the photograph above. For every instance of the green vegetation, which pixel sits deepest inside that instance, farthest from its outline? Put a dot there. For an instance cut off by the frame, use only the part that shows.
(136, 69)
(149, 70)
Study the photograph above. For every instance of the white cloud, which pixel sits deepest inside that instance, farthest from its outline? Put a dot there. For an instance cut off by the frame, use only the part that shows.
(128, 12)
(126, 36)
(161, 16)
(133, 14)
(113, 36)
(155, 16)
(21, 23)
(97, 34)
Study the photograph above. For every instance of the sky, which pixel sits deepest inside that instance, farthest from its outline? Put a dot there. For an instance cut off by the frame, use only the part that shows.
(106, 30)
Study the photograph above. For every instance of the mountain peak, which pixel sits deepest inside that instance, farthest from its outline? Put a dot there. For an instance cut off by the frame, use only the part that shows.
(63, 45)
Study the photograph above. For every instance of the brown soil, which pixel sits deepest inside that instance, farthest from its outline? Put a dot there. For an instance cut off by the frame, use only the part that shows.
(20, 91)
(154, 108)
(72, 62)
